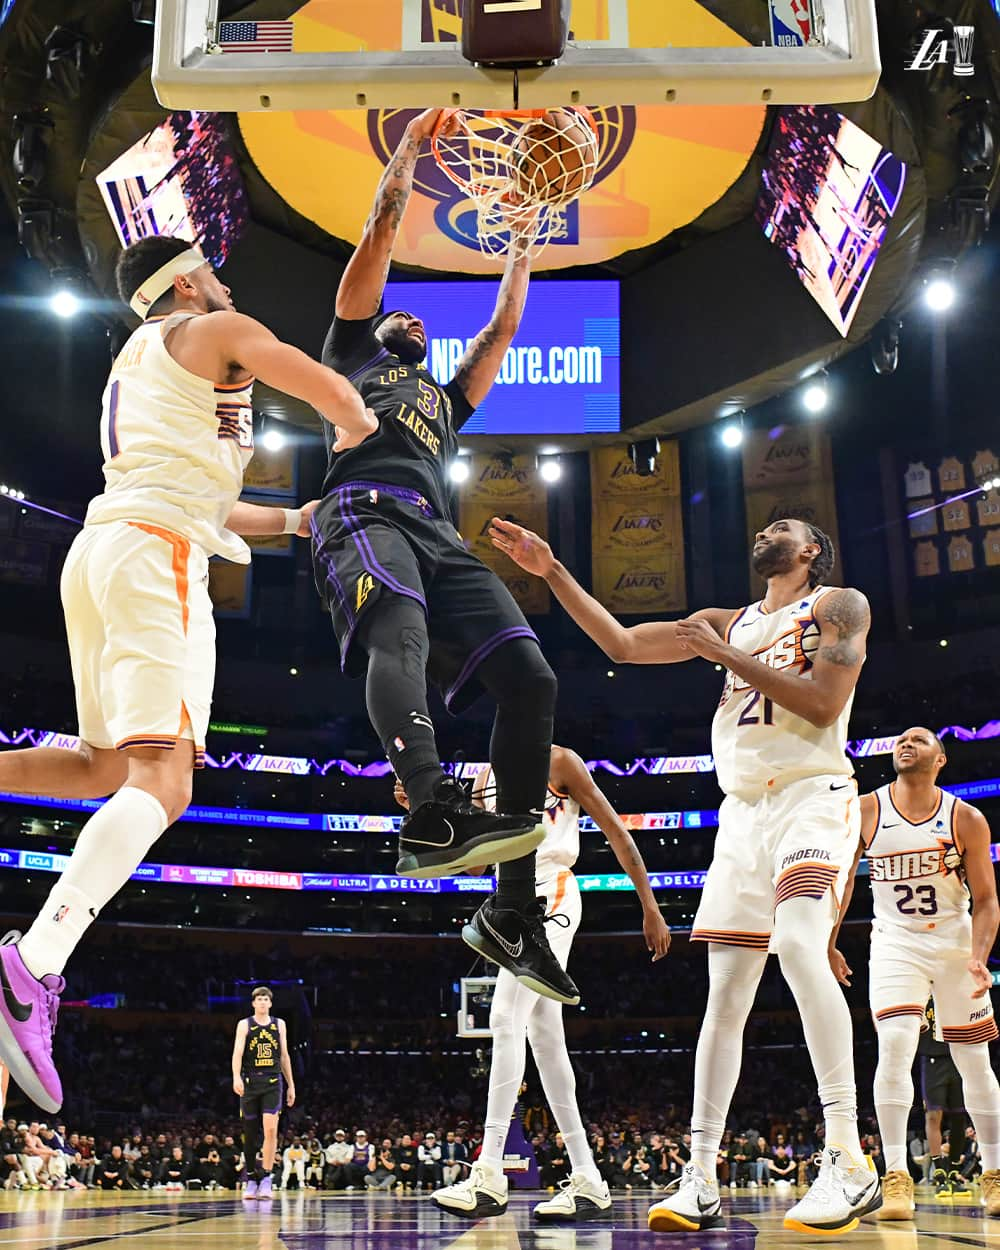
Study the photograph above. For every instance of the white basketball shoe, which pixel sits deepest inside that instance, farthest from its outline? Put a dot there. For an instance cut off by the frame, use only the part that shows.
(578, 1199)
(482, 1193)
(837, 1198)
(695, 1206)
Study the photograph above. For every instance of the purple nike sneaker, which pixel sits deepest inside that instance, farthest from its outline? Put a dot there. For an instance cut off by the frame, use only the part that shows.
(264, 1188)
(251, 1190)
(28, 1010)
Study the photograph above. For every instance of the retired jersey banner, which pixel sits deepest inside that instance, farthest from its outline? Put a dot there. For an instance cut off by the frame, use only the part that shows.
(788, 472)
(509, 487)
(637, 535)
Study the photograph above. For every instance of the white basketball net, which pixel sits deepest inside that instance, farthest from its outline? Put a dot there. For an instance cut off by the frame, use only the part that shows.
(520, 170)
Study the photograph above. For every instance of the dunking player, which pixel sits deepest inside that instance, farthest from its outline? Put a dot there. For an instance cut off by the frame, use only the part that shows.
(176, 433)
(926, 851)
(787, 832)
(260, 1060)
(518, 1014)
(408, 599)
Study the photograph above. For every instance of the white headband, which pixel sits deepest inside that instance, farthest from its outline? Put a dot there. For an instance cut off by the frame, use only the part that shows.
(162, 280)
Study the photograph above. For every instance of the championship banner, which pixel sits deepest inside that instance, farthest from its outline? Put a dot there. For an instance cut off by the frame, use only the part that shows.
(637, 534)
(229, 588)
(509, 487)
(272, 472)
(789, 473)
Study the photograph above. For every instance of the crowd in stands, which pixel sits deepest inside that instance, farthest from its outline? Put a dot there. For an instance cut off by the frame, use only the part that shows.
(630, 1157)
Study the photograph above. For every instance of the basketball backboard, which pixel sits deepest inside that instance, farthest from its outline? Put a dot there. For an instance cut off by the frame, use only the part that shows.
(407, 54)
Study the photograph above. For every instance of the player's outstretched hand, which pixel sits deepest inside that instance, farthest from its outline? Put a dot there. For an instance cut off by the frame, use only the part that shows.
(526, 549)
(345, 440)
(838, 964)
(238, 1086)
(981, 976)
(656, 933)
(423, 125)
(307, 510)
(399, 794)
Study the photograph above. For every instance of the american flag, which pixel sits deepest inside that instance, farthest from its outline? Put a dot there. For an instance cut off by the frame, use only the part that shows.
(255, 36)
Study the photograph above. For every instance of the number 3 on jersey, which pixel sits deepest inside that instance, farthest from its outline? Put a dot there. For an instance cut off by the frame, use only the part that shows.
(754, 715)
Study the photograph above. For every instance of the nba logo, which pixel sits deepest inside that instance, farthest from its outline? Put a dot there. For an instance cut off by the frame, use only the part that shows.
(61, 914)
(793, 23)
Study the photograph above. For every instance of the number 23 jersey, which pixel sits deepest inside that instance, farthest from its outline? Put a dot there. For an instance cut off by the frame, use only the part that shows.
(916, 866)
(758, 745)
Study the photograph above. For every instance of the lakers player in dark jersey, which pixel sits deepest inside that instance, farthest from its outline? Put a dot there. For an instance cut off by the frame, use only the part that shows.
(408, 600)
(260, 1061)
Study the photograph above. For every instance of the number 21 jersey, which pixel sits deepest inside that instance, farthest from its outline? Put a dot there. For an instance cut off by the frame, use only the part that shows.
(758, 745)
(916, 866)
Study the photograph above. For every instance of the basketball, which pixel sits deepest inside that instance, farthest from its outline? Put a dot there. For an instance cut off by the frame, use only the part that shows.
(555, 158)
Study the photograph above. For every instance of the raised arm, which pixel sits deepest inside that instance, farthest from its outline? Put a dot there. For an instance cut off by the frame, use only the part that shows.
(478, 368)
(973, 836)
(569, 774)
(653, 642)
(363, 281)
(819, 696)
(238, 1047)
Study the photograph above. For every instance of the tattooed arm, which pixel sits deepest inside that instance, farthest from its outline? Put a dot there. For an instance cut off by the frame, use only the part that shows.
(360, 290)
(843, 618)
(568, 775)
(481, 363)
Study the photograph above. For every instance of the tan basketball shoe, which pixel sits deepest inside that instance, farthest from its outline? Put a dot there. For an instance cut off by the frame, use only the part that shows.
(897, 1196)
(989, 1183)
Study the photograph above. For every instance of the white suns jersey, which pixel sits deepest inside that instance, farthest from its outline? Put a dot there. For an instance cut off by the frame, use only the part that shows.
(916, 866)
(175, 445)
(560, 848)
(756, 743)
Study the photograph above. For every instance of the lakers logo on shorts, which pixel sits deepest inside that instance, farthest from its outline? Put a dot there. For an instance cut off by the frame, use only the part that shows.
(366, 584)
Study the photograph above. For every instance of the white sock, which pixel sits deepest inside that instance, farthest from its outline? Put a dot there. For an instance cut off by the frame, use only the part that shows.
(111, 846)
(801, 928)
(733, 975)
(547, 1039)
(897, 1045)
(512, 1004)
(982, 1099)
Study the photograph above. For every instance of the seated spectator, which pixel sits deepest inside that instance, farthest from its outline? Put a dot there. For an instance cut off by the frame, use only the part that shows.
(641, 1163)
(604, 1158)
(11, 1148)
(762, 1163)
(231, 1159)
(429, 1163)
(782, 1166)
(406, 1162)
(293, 1160)
(143, 1169)
(382, 1168)
(970, 1163)
(338, 1158)
(740, 1157)
(362, 1153)
(314, 1163)
(453, 1155)
(113, 1170)
(35, 1155)
(556, 1168)
(177, 1170)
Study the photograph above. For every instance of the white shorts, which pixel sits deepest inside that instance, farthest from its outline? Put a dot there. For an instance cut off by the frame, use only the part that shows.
(796, 842)
(562, 902)
(141, 636)
(908, 968)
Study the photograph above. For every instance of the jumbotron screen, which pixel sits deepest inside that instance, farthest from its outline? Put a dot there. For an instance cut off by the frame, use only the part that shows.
(828, 192)
(561, 374)
(182, 180)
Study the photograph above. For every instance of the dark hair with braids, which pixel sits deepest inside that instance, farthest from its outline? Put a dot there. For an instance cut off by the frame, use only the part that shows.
(820, 568)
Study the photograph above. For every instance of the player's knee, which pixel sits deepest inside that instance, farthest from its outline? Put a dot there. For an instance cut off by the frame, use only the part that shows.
(106, 770)
(530, 685)
(795, 948)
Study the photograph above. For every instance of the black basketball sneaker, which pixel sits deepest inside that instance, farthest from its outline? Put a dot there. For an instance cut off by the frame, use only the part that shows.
(447, 834)
(516, 940)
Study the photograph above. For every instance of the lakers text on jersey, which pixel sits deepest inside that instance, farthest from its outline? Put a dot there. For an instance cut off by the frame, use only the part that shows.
(922, 931)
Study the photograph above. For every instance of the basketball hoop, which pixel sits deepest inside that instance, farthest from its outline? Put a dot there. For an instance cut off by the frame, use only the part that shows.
(521, 169)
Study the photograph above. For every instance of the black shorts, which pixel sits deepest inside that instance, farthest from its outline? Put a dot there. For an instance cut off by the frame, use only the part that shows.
(261, 1097)
(942, 1084)
(371, 540)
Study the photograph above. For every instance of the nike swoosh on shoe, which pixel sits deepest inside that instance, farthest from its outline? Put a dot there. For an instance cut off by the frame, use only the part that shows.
(18, 1010)
(513, 949)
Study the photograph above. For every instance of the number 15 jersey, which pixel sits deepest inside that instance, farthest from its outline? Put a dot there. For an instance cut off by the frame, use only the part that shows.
(759, 746)
(916, 866)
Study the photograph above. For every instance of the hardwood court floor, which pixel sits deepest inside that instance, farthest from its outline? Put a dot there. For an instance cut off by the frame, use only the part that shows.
(296, 1221)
